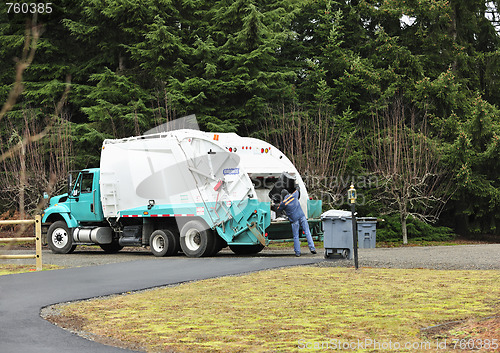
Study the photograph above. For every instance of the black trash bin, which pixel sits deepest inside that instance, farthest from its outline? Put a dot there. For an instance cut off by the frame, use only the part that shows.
(285, 181)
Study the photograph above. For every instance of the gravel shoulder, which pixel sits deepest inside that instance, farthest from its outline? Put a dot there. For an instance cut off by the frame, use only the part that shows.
(457, 257)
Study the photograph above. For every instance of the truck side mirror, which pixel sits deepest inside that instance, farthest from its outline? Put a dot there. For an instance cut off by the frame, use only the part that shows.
(70, 180)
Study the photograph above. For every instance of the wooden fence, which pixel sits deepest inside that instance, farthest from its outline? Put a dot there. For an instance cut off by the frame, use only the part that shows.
(37, 239)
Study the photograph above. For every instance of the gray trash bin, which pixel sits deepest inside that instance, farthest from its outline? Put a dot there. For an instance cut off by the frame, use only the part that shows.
(367, 232)
(337, 233)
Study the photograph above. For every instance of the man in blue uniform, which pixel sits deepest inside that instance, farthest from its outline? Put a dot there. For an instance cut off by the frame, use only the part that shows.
(291, 206)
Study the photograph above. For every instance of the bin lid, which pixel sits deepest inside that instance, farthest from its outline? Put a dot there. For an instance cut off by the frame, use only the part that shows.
(367, 219)
(337, 214)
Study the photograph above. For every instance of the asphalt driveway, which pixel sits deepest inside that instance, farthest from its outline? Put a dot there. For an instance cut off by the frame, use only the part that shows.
(23, 295)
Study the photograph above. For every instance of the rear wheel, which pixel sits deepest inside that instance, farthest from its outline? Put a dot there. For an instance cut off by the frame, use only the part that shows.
(59, 238)
(246, 249)
(197, 240)
(162, 243)
(176, 239)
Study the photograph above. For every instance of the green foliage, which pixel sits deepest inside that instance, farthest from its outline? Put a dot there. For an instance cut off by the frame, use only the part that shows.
(390, 230)
(239, 65)
(474, 156)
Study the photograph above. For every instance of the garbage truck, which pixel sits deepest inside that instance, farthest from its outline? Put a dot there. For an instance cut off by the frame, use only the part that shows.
(183, 190)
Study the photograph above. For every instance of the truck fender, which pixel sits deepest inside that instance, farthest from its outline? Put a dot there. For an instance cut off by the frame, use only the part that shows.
(61, 213)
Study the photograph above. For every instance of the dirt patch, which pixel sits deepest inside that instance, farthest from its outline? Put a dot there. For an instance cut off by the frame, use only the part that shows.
(481, 335)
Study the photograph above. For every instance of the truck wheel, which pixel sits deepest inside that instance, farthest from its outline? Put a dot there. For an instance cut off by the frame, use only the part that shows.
(196, 240)
(219, 243)
(162, 243)
(246, 249)
(176, 240)
(111, 248)
(59, 238)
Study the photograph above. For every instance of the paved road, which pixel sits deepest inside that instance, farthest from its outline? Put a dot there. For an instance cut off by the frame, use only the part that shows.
(22, 296)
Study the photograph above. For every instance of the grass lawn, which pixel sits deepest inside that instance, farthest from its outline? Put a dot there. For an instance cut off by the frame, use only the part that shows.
(293, 310)
(6, 269)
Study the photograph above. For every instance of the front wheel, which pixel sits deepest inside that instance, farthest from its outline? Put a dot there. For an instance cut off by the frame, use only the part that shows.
(197, 240)
(59, 238)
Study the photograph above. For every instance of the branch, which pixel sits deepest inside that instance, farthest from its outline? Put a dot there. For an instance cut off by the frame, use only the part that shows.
(33, 138)
(31, 39)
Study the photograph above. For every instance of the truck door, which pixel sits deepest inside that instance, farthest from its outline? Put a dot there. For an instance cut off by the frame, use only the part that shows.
(84, 198)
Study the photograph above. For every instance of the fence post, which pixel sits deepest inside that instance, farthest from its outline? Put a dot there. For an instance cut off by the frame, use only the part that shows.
(38, 242)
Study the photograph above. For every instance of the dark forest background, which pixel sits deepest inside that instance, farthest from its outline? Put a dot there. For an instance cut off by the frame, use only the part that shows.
(398, 96)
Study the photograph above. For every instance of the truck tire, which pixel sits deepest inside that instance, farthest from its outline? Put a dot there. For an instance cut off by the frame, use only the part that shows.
(197, 240)
(161, 243)
(177, 240)
(246, 249)
(60, 239)
(219, 243)
(111, 248)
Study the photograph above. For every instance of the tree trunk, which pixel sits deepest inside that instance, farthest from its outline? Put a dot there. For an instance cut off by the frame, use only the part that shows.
(405, 230)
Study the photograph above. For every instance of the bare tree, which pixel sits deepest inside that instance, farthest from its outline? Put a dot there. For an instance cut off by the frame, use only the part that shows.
(35, 166)
(317, 144)
(25, 172)
(406, 162)
(32, 34)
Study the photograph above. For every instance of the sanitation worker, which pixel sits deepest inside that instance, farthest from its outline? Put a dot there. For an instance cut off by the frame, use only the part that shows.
(290, 204)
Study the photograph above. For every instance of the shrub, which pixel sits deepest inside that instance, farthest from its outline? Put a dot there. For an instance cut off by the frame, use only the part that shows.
(390, 230)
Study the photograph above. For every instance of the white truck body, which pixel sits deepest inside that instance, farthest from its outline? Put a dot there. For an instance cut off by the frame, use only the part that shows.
(176, 168)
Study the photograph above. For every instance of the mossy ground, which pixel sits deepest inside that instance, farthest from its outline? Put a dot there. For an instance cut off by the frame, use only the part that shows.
(281, 310)
(7, 269)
